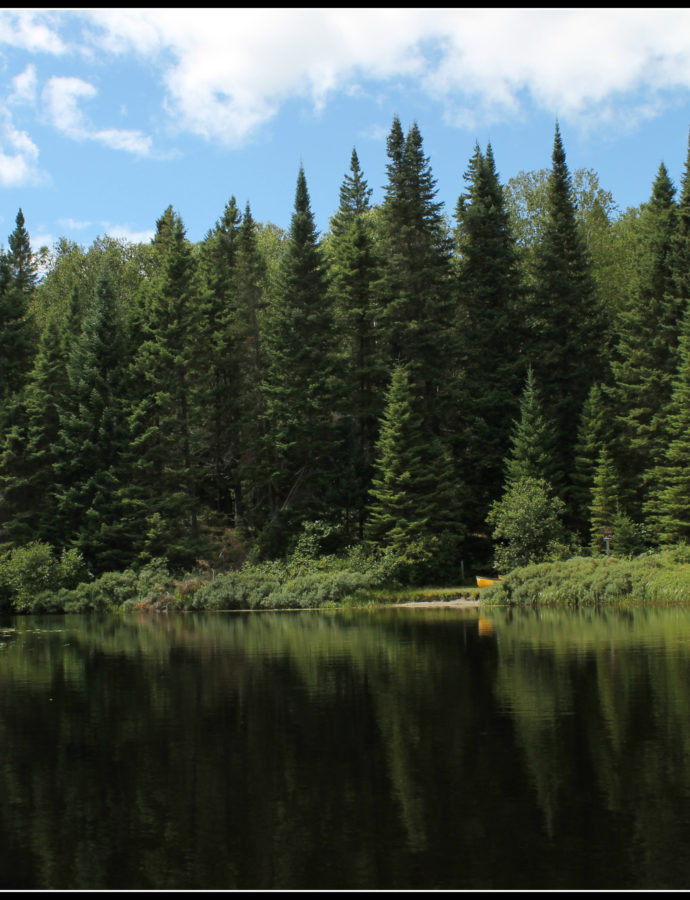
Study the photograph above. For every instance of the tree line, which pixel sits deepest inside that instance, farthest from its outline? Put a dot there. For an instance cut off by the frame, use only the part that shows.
(403, 381)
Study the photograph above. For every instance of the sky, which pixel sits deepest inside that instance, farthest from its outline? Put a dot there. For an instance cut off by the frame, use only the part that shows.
(109, 116)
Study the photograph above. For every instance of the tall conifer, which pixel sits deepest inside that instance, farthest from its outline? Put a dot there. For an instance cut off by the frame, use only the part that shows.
(298, 379)
(488, 325)
(567, 326)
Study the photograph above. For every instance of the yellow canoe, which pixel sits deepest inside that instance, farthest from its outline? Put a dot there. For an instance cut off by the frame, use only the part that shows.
(485, 582)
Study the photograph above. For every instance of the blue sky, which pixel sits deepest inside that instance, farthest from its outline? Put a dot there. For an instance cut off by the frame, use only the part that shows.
(108, 116)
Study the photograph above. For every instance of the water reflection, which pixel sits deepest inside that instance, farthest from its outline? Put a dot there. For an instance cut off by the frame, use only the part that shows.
(351, 749)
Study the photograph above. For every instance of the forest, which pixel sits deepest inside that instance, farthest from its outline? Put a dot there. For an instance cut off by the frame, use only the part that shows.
(503, 385)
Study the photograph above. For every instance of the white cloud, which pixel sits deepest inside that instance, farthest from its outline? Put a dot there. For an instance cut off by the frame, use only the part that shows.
(18, 156)
(35, 31)
(61, 97)
(24, 87)
(127, 233)
(73, 224)
(225, 72)
(228, 71)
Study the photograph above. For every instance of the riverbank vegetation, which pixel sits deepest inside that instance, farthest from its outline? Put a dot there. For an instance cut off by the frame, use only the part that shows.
(268, 417)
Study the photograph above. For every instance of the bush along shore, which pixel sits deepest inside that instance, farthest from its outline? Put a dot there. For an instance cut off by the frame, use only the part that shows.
(36, 579)
(661, 577)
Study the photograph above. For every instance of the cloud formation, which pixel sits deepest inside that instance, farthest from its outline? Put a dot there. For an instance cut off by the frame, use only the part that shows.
(61, 97)
(225, 72)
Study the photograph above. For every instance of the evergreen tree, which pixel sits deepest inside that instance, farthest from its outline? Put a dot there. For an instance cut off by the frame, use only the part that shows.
(414, 288)
(93, 435)
(251, 486)
(361, 382)
(411, 499)
(218, 255)
(170, 367)
(298, 379)
(488, 326)
(668, 507)
(28, 503)
(647, 351)
(565, 321)
(594, 434)
(17, 337)
(605, 503)
(21, 258)
(533, 441)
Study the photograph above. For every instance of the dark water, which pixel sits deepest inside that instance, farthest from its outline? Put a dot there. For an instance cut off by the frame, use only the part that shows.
(386, 749)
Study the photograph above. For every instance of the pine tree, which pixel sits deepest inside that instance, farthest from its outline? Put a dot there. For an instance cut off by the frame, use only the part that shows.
(298, 379)
(566, 343)
(22, 263)
(488, 325)
(361, 382)
(605, 502)
(411, 496)
(647, 351)
(533, 441)
(93, 436)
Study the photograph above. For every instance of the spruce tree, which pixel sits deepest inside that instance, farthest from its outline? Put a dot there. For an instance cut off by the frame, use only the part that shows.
(533, 453)
(646, 354)
(605, 501)
(252, 480)
(217, 264)
(89, 451)
(668, 505)
(361, 383)
(415, 288)
(297, 384)
(412, 502)
(594, 434)
(21, 258)
(488, 326)
(170, 369)
(567, 333)
(28, 504)
(17, 337)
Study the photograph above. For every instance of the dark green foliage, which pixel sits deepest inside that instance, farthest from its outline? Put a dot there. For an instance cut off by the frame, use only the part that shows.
(488, 324)
(17, 336)
(264, 394)
(298, 383)
(169, 368)
(94, 436)
(533, 453)
(669, 504)
(605, 501)
(567, 333)
(353, 269)
(414, 289)
(413, 506)
(27, 478)
(647, 350)
(21, 258)
(218, 255)
(594, 434)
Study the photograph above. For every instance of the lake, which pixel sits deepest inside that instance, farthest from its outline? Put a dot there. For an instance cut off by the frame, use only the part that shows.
(386, 748)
